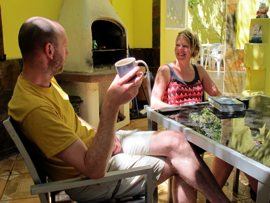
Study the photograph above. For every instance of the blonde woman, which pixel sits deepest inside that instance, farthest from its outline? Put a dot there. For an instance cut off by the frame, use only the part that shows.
(182, 82)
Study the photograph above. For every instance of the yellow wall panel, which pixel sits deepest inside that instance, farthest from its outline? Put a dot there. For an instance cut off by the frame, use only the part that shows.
(15, 12)
(137, 17)
(125, 11)
(142, 29)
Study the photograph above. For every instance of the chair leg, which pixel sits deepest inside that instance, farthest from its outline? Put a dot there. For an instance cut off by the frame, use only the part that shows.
(152, 125)
(155, 195)
(206, 63)
(135, 108)
(236, 181)
(218, 65)
(170, 185)
(53, 197)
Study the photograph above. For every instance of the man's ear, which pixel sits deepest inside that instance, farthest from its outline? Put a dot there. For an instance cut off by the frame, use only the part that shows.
(49, 50)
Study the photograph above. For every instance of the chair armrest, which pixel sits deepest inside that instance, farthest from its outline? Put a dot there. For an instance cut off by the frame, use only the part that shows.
(80, 182)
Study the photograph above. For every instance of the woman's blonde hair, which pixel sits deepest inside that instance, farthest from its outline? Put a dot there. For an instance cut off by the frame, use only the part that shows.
(193, 41)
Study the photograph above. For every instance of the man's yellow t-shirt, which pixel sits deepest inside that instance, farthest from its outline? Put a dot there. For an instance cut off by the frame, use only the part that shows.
(48, 119)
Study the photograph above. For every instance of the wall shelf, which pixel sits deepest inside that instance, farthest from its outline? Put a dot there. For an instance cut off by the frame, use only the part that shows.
(256, 58)
(255, 55)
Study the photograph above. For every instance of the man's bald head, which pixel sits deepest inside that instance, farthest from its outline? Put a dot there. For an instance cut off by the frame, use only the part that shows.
(35, 33)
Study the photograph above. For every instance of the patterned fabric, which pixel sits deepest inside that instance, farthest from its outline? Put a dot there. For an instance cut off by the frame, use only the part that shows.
(180, 92)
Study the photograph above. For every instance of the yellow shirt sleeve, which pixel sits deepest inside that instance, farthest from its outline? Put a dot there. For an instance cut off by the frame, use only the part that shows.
(48, 131)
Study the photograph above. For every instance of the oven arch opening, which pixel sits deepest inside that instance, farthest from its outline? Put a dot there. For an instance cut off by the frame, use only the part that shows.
(109, 43)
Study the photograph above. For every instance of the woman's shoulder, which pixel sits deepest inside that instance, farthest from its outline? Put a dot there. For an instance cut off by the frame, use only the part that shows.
(163, 73)
(201, 71)
(198, 67)
(164, 69)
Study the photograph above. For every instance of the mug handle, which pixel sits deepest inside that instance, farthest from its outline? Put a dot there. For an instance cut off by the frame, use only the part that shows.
(145, 65)
(146, 75)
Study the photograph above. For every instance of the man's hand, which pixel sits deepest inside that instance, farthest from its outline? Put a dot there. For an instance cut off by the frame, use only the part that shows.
(123, 89)
(117, 146)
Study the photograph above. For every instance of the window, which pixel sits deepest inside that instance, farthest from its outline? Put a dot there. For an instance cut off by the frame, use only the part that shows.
(176, 14)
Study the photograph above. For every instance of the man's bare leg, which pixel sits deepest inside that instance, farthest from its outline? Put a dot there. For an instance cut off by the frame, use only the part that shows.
(186, 163)
(181, 191)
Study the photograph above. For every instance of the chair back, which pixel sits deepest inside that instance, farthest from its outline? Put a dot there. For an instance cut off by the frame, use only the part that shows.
(29, 152)
(150, 82)
(217, 51)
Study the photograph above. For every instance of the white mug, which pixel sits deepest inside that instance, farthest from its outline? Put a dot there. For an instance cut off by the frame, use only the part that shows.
(123, 66)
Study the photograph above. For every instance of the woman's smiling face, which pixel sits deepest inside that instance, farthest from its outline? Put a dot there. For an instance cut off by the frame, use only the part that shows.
(182, 49)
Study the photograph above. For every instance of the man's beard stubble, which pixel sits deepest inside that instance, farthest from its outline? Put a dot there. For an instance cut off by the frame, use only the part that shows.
(57, 64)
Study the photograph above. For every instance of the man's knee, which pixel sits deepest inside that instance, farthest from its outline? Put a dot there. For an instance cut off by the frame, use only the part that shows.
(174, 140)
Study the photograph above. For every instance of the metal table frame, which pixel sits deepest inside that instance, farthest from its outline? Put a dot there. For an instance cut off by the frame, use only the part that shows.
(238, 160)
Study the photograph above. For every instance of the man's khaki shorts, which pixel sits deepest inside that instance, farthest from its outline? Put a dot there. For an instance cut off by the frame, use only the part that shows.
(135, 146)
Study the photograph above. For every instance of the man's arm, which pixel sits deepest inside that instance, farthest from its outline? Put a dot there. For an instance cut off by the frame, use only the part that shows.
(92, 161)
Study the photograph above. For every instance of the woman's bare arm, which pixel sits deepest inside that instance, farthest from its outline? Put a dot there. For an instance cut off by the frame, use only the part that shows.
(208, 84)
(161, 81)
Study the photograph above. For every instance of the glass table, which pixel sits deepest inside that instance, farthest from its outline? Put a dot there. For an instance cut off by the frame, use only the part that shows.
(240, 138)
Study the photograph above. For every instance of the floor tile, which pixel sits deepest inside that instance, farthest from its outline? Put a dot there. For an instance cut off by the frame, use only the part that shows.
(3, 182)
(140, 124)
(163, 192)
(18, 187)
(28, 200)
(19, 166)
(6, 165)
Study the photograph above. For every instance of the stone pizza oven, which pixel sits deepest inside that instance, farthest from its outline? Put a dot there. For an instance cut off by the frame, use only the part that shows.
(96, 35)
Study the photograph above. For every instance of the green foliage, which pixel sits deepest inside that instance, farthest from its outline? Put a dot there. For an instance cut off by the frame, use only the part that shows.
(208, 19)
(192, 3)
(207, 123)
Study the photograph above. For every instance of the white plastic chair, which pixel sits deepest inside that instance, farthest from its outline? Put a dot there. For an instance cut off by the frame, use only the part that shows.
(216, 55)
(204, 55)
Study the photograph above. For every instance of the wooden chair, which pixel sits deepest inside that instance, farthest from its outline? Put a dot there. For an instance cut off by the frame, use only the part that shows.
(47, 189)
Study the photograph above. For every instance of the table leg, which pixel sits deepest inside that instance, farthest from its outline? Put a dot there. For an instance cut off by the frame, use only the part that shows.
(170, 185)
(263, 193)
(152, 125)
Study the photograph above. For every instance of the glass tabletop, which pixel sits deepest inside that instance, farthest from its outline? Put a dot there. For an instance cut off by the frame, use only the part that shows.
(247, 132)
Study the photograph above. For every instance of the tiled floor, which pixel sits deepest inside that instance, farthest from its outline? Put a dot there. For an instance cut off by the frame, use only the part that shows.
(15, 180)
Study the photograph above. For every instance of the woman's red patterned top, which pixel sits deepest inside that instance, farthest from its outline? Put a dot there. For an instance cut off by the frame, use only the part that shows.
(179, 92)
